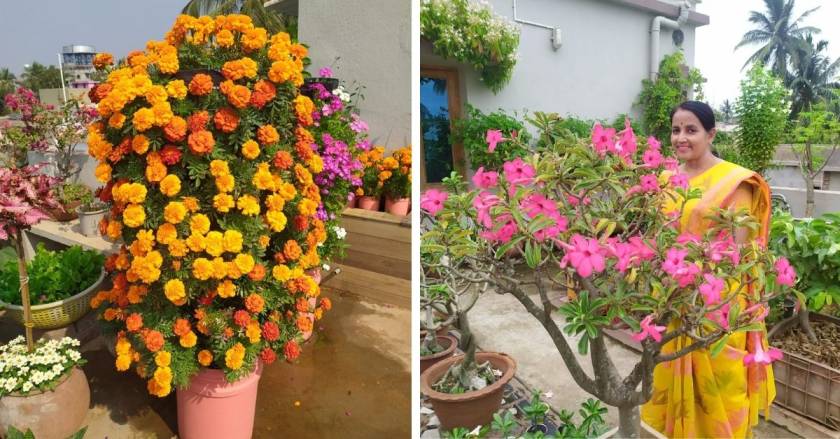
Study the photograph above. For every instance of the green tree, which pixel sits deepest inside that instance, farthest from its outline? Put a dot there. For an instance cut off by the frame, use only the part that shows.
(7, 85)
(778, 33)
(762, 111)
(658, 98)
(273, 22)
(814, 127)
(813, 76)
(37, 76)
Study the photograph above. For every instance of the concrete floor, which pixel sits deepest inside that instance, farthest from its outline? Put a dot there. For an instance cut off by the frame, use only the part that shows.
(353, 380)
(540, 366)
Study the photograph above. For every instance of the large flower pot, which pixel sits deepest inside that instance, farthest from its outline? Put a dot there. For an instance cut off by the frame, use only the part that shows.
(369, 203)
(54, 414)
(468, 409)
(450, 344)
(397, 207)
(89, 220)
(211, 407)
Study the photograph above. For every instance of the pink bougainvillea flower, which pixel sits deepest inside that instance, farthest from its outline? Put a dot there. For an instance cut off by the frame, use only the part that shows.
(649, 329)
(652, 158)
(432, 201)
(650, 183)
(603, 139)
(485, 179)
(760, 356)
(585, 255)
(325, 72)
(482, 203)
(653, 143)
(535, 204)
(786, 274)
(493, 137)
(517, 172)
(711, 289)
(679, 180)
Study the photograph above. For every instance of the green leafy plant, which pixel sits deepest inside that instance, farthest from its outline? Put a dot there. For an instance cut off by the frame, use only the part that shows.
(536, 409)
(592, 425)
(503, 423)
(762, 110)
(809, 129)
(658, 98)
(471, 132)
(72, 192)
(14, 433)
(472, 33)
(53, 275)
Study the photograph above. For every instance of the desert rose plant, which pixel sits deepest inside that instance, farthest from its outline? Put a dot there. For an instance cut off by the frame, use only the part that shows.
(212, 176)
(600, 218)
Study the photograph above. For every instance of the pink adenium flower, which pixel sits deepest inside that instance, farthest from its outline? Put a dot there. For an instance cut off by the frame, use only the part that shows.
(685, 273)
(711, 289)
(652, 158)
(626, 146)
(671, 164)
(504, 232)
(679, 180)
(654, 144)
(561, 224)
(574, 201)
(687, 237)
(642, 250)
(760, 356)
(482, 203)
(650, 183)
(485, 179)
(585, 255)
(603, 139)
(493, 137)
(432, 201)
(786, 274)
(649, 329)
(536, 204)
(517, 172)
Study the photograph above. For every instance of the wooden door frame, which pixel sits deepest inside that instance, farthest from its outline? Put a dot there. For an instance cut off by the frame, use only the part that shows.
(453, 92)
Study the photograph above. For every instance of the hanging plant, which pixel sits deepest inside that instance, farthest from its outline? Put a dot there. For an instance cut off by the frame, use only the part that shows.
(471, 33)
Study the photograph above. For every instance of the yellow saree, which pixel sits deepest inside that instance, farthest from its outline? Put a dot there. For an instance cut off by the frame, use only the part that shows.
(697, 396)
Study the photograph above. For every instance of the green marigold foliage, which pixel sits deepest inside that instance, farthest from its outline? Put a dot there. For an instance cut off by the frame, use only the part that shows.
(762, 110)
(471, 33)
(471, 132)
(671, 88)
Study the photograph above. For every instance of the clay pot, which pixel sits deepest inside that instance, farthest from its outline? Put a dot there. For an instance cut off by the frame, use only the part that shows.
(351, 203)
(66, 212)
(213, 407)
(471, 408)
(54, 414)
(369, 203)
(429, 360)
(397, 207)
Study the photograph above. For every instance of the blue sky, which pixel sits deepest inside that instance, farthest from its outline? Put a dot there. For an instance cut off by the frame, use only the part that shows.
(36, 30)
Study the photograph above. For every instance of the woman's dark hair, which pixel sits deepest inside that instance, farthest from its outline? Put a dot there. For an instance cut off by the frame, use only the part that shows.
(700, 109)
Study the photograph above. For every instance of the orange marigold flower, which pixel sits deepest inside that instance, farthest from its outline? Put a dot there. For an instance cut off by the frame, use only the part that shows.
(143, 119)
(191, 203)
(326, 303)
(134, 322)
(254, 303)
(304, 323)
(155, 171)
(264, 92)
(201, 85)
(226, 120)
(176, 129)
(257, 273)
(176, 89)
(201, 142)
(254, 39)
(267, 135)
(204, 356)
(291, 350)
(181, 327)
(140, 144)
(188, 340)
(153, 340)
(304, 108)
(116, 120)
(224, 38)
(291, 250)
(224, 202)
(102, 60)
(239, 96)
(283, 160)
(174, 212)
(170, 185)
(198, 121)
(226, 289)
(302, 304)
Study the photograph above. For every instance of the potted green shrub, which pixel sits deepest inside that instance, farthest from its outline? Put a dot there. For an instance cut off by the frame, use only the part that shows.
(61, 283)
(71, 196)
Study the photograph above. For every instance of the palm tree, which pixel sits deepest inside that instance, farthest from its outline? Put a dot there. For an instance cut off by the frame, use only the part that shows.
(813, 77)
(778, 32)
(262, 17)
(7, 85)
(727, 111)
(37, 76)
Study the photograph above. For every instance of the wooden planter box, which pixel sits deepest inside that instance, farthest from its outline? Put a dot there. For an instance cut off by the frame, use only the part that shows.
(378, 261)
(809, 388)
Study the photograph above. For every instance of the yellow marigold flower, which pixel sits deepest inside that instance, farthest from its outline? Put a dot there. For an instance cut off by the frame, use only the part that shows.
(224, 38)
(188, 340)
(169, 63)
(264, 240)
(234, 356)
(287, 191)
(163, 375)
(132, 193)
(232, 271)
(253, 332)
(123, 362)
(218, 168)
(276, 220)
(304, 177)
(196, 242)
(315, 163)
(123, 346)
(175, 291)
(281, 272)
(154, 257)
(143, 119)
(178, 248)
(233, 241)
(205, 357)
(155, 171)
(275, 202)
(170, 185)
(226, 289)
(202, 269)
(214, 243)
(156, 94)
(225, 183)
(199, 224)
(116, 120)
(254, 39)
(158, 389)
(166, 233)
(307, 207)
(102, 172)
(248, 205)
(244, 262)
(304, 108)
(223, 202)
(163, 113)
(134, 215)
(220, 268)
(176, 89)
(174, 212)
(263, 179)
(191, 203)
(250, 149)
(163, 358)
(140, 144)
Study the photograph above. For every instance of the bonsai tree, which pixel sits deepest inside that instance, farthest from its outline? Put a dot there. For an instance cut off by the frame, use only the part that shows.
(25, 196)
(595, 217)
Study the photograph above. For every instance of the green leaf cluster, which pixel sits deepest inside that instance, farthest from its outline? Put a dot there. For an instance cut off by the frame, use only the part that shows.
(53, 275)
(471, 132)
(762, 110)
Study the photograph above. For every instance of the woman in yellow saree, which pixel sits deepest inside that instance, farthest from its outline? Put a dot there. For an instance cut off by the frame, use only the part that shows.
(698, 396)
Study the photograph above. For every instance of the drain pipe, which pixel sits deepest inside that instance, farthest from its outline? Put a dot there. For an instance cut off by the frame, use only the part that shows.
(556, 40)
(655, 30)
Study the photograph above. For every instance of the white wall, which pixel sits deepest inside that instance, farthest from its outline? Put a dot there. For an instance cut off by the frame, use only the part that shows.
(824, 201)
(373, 39)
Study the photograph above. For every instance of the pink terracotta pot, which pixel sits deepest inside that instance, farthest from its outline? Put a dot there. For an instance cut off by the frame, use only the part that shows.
(212, 407)
(56, 413)
(352, 202)
(369, 203)
(397, 207)
(315, 273)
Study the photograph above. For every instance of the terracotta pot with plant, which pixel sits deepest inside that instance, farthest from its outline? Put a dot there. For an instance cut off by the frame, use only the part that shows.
(373, 178)
(397, 186)
(71, 196)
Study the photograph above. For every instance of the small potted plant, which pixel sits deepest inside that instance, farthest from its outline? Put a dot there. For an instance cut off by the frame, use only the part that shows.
(43, 389)
(91, 214)
(434, 347)
(373, 178)
(71, 196)
(397, 187)
(535, 410)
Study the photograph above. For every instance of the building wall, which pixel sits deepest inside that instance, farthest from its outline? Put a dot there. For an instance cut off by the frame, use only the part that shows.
(605, 46)
(824, 201)
(373, 41)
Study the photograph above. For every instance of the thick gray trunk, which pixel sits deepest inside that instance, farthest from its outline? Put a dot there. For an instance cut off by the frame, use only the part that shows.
(629, 422)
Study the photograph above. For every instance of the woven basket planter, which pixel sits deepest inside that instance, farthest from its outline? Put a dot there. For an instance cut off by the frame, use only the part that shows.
(57, 314)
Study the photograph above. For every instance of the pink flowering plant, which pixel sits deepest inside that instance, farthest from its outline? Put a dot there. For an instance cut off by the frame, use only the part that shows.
(599, 218)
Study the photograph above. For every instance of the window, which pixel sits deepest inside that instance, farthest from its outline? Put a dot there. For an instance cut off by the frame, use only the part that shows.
(440, 104)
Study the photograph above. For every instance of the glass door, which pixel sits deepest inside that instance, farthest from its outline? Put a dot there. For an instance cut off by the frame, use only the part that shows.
(439, 106)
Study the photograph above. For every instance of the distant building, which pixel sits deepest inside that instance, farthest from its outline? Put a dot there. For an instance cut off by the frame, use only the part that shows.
(77, 63)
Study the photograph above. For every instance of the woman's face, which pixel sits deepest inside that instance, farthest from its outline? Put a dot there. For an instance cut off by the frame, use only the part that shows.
(688, 137)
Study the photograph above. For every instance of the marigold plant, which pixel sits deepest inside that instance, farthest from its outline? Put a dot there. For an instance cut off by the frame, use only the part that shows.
(397, 168)
(205, 146)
